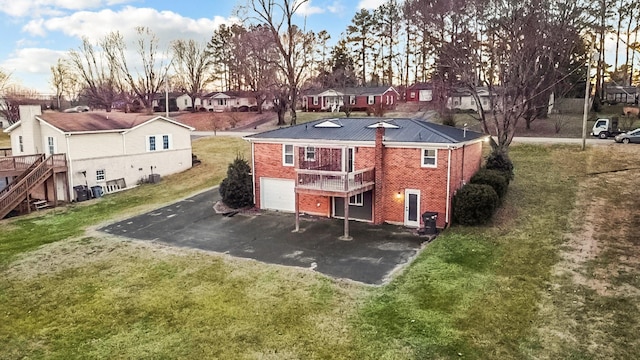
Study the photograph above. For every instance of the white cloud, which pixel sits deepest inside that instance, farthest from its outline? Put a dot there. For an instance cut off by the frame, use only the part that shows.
(32, 60)
(307, 9)
(336, 8)
(167, 25)
(37, 8)
(370, 4)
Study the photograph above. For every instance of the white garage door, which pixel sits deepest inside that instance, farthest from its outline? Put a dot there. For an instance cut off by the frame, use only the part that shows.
(277, 194)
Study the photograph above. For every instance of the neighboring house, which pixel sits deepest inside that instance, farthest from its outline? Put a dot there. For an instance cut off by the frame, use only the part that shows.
(232, 101)
(461, 99)
(358, 98)
(112, 150)
(621, 94)
(420, 92)
(178, 101)
(368, 169)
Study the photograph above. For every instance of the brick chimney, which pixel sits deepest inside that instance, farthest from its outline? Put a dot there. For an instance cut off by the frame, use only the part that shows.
(378, 208)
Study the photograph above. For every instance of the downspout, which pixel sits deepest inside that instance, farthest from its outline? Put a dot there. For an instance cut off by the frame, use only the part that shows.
(70, 166)
(253, 171)
(446, 216)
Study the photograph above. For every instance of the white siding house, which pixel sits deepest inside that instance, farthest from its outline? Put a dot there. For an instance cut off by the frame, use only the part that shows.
(112, 150)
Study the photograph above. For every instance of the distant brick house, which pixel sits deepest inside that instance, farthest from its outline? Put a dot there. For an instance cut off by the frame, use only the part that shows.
(420, 92)
(373, 170)
(358, 98)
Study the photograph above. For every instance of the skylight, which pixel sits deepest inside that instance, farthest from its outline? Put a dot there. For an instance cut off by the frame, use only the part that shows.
(328, 124)
(383, 124)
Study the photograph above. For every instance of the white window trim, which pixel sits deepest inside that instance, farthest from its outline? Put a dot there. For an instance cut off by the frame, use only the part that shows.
(357, 200)
(159, 142)
(315, 100)
(371, 99)
(423, 155)
(352, 100)
(51, 146)
(284, 155)
(169, 139)
(104, 175)
(21, 143)
(307, 152)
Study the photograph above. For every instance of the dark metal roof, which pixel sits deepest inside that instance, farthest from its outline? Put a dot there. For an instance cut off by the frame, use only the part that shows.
(358, 91)
(360, 129)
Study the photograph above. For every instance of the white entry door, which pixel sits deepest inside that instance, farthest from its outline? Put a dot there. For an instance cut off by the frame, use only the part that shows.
(412, 208)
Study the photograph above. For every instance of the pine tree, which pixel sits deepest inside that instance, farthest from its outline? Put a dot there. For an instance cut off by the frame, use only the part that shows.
(237, 188)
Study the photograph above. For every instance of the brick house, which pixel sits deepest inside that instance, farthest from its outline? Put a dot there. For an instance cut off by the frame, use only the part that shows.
(358, 98)
(367, 169)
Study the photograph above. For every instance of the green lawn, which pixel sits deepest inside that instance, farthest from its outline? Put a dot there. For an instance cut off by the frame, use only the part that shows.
(67, 291)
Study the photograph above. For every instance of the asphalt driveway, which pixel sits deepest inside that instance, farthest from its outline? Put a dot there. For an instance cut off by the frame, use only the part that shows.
(371, 257)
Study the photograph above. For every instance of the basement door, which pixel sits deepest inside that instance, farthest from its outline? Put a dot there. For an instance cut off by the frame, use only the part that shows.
(412, 208)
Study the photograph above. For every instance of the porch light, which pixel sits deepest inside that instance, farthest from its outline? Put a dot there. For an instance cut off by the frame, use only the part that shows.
(398, 195)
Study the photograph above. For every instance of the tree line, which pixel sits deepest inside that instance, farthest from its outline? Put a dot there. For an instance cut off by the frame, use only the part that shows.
(519, 51)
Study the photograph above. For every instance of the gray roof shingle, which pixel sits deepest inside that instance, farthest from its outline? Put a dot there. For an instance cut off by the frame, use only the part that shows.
(358, 129)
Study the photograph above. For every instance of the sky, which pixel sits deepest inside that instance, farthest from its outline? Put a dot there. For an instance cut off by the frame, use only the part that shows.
(36, 33)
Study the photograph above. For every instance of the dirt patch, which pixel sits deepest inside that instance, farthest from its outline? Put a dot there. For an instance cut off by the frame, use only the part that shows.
(220, 121)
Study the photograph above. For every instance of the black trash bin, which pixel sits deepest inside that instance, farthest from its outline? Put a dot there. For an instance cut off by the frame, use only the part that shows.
(429, 219)
(97, 191)
(82, 193)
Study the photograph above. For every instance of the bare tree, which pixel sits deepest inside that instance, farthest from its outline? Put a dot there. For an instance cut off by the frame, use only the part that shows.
(99, 78)
(192, 61)
(145, 82)
(62, 80)
(293, 43)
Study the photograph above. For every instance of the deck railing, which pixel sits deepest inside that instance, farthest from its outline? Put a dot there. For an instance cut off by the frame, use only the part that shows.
(17, 163)
(39, 171)
(334, 181)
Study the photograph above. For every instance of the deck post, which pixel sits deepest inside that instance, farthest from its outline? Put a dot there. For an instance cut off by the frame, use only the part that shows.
(297, 213)
(346, 220)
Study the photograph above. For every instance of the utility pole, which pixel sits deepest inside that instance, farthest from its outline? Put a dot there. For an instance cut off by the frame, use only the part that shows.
(587, 93)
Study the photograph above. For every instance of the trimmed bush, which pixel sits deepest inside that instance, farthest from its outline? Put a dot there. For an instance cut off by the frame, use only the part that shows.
(494, 178)
(499, 160)
(474, 204)
(237, 188)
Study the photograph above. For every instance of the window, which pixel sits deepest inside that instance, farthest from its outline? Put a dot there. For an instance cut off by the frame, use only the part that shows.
(287, 155)
(315, 100)
(310, 153)
(185, 102)
(429, 157)
(158, 142)
(165, 142)
(100, 175)
(352, 100)
(371, 99)
(356, 200)
(20, 143)
(222, 102)
(413, 95)
(51, 146)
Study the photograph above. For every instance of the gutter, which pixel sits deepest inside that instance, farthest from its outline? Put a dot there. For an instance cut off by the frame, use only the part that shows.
(446, 216)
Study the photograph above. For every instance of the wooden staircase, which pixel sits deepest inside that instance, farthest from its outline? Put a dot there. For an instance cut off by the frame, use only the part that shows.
(18, 191)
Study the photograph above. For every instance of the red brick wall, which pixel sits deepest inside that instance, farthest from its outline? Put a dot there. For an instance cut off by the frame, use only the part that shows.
(268, 163)
(401, 170)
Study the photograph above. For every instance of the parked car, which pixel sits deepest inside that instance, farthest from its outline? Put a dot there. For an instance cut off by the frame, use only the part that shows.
(632, 136)
(77, 109)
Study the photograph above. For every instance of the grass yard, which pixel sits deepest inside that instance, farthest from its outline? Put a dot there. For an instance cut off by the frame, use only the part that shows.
(555, 276)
